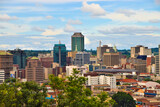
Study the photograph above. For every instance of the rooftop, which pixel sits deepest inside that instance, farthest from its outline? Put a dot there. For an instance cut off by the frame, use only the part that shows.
(77, 34)
(115, 70)
(34, 57)
(5, 53)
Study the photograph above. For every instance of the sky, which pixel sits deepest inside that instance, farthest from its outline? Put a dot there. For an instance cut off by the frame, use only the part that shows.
(39, 24)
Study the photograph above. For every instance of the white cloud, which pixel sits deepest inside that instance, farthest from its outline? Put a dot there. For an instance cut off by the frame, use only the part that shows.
(62, 19)
(41, 37)
(75, 22)
(5, 17)
(128, 30)
(38, 29)
(69, 28)
(52, 32)
(30, 19)
(19, 45)
(49, 17)
(87, 41)
(4, 46)
(36, 43)
(155, 21)
(48, 45)
(94, 9)
(50, 27)
(136, 16)
(59, 1)
(122, 15)
(14, 29)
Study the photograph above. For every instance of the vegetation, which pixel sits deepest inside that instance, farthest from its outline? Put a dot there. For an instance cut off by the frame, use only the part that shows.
(148, 79)
(75, 94)
(16, 94)
(123, 100)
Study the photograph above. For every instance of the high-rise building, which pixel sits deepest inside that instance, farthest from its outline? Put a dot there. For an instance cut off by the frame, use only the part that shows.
(140, 50)
(111, 59)
(6, 63)
(102, 49)
(59, 54)
(77, 41)
(82, 58)
(34, 70)
(19, 57)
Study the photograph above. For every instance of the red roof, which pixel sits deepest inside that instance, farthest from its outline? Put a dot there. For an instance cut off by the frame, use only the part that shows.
(128, 80)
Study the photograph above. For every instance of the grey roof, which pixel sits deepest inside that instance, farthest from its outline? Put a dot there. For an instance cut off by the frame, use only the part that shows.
(77, 34)
(115, 70)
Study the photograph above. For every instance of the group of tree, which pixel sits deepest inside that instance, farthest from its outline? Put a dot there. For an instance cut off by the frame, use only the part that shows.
(16, 94)
(72, 93)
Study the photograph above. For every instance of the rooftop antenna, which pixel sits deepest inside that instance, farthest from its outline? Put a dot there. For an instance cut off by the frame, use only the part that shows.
(100, 43)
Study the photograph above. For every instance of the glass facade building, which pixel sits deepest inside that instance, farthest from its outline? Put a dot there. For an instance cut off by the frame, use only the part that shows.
(77, 40)
(60, 49)
(19, 57)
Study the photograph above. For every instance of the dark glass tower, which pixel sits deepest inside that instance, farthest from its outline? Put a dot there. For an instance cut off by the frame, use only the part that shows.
(19, 57)
(77, 42)
(59, 54)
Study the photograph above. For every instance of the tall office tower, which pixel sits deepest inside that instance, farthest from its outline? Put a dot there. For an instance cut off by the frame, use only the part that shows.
(111, 59)
(77, 41)
(34, 70)
(59, 54)
(102, 49)
(19, 57)
(6, 63)
(82, 58)
(140, 50)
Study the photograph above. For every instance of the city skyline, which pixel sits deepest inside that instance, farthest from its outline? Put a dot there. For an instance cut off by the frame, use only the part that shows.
(39, 24)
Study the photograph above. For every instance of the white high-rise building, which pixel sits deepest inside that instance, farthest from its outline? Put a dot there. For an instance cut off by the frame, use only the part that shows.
(95, 80)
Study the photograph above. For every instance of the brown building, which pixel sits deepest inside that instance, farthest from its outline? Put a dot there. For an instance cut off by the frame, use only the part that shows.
(102, 50)
(6, 63)
(34, 70)
(111, 59)
(139, 64)
(47, 62)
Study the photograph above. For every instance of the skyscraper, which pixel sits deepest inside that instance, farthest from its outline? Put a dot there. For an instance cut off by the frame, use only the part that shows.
(59, 54)
(19, 57)
(34, 70)
(6, 63)
(77, 41)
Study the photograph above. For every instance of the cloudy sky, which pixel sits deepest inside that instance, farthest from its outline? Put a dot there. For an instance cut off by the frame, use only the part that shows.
(39, 24)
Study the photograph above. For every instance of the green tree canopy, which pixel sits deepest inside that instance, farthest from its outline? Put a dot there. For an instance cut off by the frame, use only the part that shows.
(75, 94)
(16, 94)
(123, 100)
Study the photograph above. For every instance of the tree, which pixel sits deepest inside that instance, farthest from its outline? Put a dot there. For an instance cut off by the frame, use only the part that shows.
(16, 94)
(56, 84)
(75, 94)
(123, 100)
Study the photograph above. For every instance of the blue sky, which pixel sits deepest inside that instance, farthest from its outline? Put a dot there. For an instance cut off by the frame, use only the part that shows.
(39, 24)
